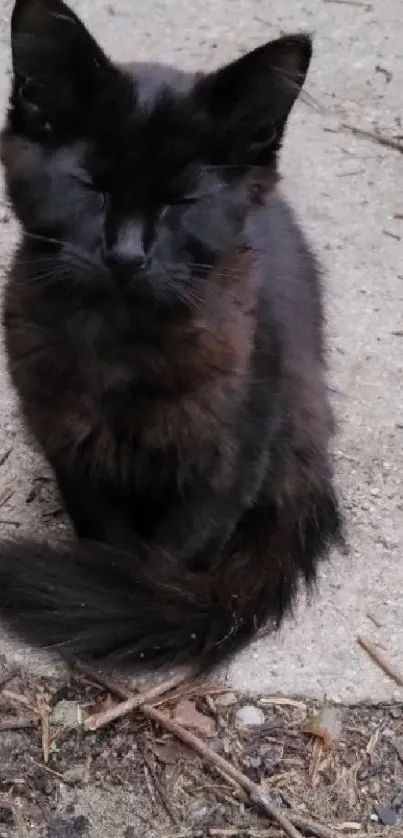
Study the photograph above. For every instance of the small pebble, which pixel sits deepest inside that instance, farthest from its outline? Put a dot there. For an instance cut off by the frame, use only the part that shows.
(197, 811)
(386, 815)
(225, 700)
(249, 716)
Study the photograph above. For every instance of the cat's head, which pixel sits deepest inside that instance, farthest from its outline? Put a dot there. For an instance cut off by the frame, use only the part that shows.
(140, 175)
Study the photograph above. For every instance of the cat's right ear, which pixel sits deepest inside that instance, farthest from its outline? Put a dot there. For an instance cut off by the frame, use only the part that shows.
(57, 64)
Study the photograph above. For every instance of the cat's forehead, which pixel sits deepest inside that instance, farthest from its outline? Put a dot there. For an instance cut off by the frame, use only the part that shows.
(146, 128)
(152, 79)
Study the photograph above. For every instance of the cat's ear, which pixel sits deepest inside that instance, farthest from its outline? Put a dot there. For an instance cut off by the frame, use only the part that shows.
(57, 64)
(249, 100)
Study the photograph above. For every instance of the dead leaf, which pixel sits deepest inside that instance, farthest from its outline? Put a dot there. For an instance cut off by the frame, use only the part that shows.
(186, 713)
(326, 725)
(172, 752)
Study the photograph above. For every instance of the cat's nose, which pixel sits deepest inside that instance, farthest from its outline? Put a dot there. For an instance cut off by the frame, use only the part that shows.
(123, 267)
(125, 255)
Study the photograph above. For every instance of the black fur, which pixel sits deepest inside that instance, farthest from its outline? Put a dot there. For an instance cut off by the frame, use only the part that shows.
(163, 323)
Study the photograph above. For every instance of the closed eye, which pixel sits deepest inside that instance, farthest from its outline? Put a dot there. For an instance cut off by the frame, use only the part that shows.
(190, 199)
(91, 186)
(85, 180)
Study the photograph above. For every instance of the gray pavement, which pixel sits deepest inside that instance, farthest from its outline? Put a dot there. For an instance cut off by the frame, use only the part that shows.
(348, 191)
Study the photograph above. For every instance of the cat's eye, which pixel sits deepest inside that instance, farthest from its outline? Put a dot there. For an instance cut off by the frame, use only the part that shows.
(88, 183)
(187, 201)
(86, 180)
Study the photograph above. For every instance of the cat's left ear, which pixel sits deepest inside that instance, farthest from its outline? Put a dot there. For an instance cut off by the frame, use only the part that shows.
(57, 64)
(249, 100)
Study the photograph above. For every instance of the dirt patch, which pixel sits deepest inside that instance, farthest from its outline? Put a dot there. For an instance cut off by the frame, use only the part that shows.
(340, 765)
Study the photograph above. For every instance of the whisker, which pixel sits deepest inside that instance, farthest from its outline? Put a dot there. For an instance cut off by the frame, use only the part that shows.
(67, 246)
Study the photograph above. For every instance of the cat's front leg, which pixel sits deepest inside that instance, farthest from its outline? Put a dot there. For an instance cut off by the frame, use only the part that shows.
(94, 511)
(197, 526)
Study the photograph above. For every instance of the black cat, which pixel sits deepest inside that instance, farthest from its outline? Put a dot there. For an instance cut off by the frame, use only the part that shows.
(163, 324)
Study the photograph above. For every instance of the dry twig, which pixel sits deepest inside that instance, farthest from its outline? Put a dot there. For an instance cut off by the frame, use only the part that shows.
(7, 678)
(5, 495)
(350, 3)
(195, 690)
(19, 699)
(256, 794)
(398, 748)
(17, 723)
(289, 822)
(164, 800)
(379, 658)
(43, 711)
(133, 702)
(389, 142)
(5, 456)
(52, 772)
(102, 680)
(235, 833)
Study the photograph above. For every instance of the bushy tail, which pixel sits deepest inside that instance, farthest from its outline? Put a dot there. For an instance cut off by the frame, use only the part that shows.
(95, 603)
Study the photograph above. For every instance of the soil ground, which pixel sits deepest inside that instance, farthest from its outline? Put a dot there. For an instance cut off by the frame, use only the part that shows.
(132, 779)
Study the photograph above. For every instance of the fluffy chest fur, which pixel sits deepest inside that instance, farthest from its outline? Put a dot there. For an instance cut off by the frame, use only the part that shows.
(104, 381)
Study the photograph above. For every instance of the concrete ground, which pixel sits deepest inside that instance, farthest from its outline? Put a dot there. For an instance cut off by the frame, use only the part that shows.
(348, 191)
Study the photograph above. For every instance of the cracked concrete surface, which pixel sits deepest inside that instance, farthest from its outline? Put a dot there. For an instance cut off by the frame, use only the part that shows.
(348, 191)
